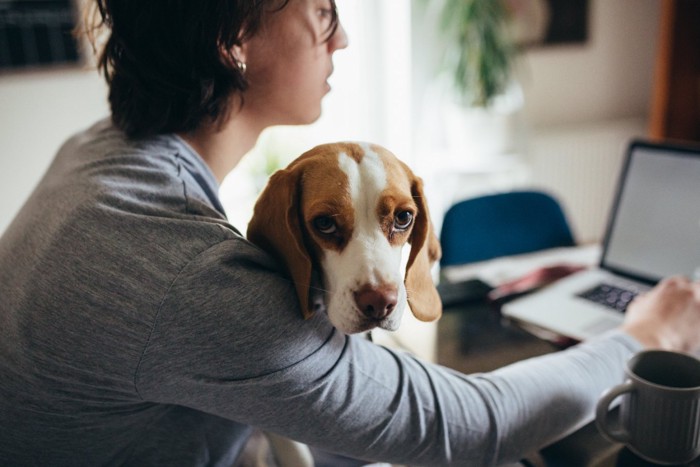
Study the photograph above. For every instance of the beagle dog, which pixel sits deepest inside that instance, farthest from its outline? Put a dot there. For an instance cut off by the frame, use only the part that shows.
(339, 218)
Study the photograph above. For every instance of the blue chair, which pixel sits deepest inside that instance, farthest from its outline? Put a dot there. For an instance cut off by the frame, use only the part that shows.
(502, 224)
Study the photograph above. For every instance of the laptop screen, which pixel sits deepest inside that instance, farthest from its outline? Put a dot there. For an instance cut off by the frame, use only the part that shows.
(654, 228)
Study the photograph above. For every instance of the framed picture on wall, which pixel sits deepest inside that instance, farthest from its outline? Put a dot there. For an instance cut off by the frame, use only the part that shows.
(37, 34)
(549, 22)
(568, 22)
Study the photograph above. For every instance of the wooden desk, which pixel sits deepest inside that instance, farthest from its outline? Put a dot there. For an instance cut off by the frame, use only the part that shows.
(472, 337)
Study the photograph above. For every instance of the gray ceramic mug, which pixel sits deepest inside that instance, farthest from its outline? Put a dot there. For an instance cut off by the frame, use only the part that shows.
(659, 417)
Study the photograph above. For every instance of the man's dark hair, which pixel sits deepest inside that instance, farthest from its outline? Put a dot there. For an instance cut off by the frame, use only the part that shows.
(169, 64)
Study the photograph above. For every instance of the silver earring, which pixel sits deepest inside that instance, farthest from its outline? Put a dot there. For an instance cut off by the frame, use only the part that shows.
(241, 66)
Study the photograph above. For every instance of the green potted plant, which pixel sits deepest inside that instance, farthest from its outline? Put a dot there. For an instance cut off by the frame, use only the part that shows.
(474, 99)
(479, 50)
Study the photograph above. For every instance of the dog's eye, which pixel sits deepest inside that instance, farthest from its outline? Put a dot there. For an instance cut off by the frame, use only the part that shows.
(325, 225)
(403, 220)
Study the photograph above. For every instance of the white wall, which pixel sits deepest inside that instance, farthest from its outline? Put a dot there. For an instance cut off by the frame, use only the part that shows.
(607, 78)
(38, 110)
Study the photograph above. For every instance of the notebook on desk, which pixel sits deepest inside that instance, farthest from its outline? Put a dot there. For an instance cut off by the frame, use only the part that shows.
(653, 231)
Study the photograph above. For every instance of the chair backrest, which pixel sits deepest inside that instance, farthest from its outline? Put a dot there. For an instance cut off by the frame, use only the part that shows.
(509, 223)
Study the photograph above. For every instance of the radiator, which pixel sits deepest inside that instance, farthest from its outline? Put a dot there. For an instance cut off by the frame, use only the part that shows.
(580, 165)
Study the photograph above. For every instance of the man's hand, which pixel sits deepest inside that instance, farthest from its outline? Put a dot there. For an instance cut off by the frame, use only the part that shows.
(667, 317)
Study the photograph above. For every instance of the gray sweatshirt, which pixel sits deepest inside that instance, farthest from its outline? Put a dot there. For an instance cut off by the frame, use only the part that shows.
(138, 327)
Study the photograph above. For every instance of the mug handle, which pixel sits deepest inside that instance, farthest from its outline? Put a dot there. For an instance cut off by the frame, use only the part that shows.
(602, 418)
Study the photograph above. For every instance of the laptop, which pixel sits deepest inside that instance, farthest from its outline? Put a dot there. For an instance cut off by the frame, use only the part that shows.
(653, 231)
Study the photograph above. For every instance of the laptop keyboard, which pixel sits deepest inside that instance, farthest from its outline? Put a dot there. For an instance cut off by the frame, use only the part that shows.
(609, 295)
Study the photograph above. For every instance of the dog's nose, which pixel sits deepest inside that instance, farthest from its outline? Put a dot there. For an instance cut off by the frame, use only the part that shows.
(376, 302)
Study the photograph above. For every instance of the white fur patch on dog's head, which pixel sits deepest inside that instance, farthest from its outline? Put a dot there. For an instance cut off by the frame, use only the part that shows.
(368, 258)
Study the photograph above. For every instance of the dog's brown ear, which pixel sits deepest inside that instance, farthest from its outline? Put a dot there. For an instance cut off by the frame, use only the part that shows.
(276, 228)
(423, 297)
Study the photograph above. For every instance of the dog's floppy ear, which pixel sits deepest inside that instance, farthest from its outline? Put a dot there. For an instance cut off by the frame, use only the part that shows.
(276, 228)
(423, 297)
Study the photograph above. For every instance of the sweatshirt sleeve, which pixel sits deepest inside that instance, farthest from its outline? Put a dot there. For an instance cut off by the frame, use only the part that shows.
(230, 340)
